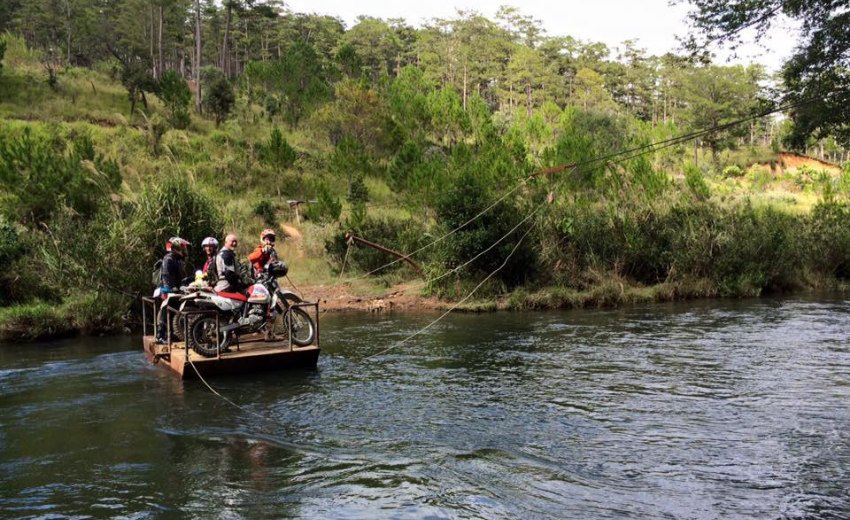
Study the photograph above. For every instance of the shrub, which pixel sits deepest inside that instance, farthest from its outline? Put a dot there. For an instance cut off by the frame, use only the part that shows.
(696, 184)
(219, 99)
(327, 208)
(36, 179)
(733, 171)
(97, 312)
(760, 178)
(175, 94)
(828, 239)
(758, 250)
(157, 126)
(276, 152)
(358, 193)
(11, 248)
(406, 159)
(458, 206)
(402, 236)
(165, 208)
(265, 210)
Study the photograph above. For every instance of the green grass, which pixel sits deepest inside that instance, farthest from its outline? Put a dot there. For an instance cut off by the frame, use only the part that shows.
(89, 314)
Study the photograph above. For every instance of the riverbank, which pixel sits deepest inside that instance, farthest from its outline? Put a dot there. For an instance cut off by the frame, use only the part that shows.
(101, 314)
(611, 293)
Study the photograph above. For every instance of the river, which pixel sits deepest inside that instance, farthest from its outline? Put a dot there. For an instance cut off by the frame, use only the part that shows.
(711, 409)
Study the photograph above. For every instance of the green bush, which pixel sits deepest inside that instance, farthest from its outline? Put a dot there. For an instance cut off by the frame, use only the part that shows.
(743, 251)
(828, 239)
(760, 178)
(97, 312)
(36, 179)
(358, 193)
(219, 99)
(11, 248)
(165, 208)
(326, 209)
(468, 199)
(696, 184)
(758, 250)
(733, 171)
(402, 236)
(265, 210)
(175, 94)
(157, 126)
(276, 152)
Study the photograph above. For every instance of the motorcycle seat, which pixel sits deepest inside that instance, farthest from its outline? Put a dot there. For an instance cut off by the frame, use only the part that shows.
(233, 296)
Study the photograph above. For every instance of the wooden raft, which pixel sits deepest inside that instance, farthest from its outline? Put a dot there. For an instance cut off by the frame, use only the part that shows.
(254, 355)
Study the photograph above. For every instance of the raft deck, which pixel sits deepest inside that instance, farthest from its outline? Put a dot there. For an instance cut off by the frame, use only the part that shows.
(254, 355)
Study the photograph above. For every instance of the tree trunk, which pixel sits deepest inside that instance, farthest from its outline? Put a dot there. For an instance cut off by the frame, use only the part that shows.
(528, 111)
(68, 24)
(197, 65)
(161, 29)
(696, 158)
(464, 86)
(225, 59)
(153, 55)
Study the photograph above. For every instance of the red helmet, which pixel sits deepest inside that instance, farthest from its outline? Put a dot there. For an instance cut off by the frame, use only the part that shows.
(267, 232)
(176, 243)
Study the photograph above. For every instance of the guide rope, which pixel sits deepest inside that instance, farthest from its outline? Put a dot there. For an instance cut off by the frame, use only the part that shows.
(456, 305)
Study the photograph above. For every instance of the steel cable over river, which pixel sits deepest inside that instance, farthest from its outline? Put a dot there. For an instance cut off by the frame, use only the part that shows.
(698, 410)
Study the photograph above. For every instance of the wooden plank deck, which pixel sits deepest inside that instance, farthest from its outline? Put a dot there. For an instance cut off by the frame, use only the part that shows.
(254, 355)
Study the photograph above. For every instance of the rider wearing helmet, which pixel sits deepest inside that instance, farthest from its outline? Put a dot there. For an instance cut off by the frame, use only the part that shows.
(210, 247)
(265, 252)
(173, 273)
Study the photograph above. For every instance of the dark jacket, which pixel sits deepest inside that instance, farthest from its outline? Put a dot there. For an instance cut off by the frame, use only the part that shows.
(173, 271)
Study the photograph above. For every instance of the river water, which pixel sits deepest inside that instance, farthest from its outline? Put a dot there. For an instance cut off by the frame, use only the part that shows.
(714, 409)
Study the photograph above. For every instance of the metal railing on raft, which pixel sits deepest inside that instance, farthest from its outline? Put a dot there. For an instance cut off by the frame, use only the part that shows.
(188, 313)
(287, 319)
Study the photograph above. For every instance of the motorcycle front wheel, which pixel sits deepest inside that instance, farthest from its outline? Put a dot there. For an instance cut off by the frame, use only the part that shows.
(301, 326)
(203, 338)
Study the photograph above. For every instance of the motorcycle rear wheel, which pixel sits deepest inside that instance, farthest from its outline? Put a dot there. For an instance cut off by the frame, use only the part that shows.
(177, 323)
(203, 338)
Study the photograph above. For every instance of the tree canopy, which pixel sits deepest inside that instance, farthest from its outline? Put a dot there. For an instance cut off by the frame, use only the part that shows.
(815, 76)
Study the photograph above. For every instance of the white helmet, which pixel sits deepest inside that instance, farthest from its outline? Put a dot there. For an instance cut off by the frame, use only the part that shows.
(210, 241)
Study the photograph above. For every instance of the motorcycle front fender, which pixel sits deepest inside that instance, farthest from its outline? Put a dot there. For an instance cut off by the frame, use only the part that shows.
(288, 295)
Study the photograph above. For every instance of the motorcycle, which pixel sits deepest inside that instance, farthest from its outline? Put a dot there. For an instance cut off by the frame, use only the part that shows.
(266, 309)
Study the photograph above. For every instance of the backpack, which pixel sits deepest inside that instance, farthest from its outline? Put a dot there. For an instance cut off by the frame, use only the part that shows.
(246, 272)
(156, 275)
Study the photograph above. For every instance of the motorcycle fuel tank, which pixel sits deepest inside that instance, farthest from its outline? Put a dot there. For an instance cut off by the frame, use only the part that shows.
(258, 294)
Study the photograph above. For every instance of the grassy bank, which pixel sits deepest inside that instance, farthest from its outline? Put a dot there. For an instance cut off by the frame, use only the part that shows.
(90, 314)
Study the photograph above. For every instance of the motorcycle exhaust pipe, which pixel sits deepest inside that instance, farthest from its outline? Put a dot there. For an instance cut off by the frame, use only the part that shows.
(228, 328)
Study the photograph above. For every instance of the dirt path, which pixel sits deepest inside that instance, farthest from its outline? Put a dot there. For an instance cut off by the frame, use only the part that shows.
(344, 297)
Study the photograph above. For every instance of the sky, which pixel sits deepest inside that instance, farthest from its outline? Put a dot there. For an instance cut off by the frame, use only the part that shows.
(653, 23)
